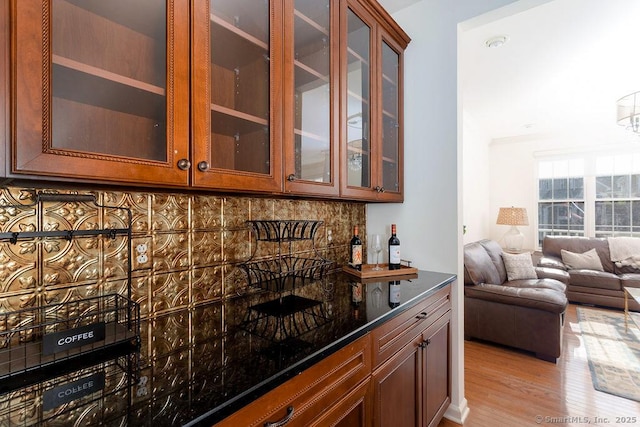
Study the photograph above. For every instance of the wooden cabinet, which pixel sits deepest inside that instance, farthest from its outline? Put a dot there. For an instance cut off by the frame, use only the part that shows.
(278, 96)
(334, 391)
(371, 101)
(237, 94)
(411, 377)
(101, 89)
(311, 97)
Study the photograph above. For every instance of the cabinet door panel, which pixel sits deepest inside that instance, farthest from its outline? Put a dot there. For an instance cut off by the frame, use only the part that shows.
(437, 371)
(358, 101)
(102, 90)
(310, 101)
(397, 391)
(390, 78)
(236, 86)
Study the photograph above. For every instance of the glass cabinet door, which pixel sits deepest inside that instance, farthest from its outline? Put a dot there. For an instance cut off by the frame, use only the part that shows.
(391, 177)
(371, 106)
(358, 102)
(233, 95)
(108, 74)
(310, 155)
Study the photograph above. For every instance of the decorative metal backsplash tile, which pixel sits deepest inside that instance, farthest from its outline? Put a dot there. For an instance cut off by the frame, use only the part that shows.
(194, 245)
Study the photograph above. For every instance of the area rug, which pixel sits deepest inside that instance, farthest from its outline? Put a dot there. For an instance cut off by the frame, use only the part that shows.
(613, 353)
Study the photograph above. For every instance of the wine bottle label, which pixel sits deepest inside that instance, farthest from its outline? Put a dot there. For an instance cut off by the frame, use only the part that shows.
(356, 254)
(356, 292)
(394, 294)
(394, 254)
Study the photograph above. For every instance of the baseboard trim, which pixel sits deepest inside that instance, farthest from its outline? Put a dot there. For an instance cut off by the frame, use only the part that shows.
(457, 414)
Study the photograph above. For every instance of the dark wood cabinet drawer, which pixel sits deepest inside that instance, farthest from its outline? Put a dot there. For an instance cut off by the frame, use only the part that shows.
(392, 336)
(312, 393)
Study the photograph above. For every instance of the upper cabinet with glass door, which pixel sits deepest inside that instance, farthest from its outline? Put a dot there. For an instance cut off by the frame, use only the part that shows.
(311, 159)
(101, 89)
(237, 92)
(372, 54)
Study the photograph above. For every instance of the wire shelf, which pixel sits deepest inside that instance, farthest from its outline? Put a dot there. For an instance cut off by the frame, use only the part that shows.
(285, 273)
(285, 230)
(34, 339)
(70, 395)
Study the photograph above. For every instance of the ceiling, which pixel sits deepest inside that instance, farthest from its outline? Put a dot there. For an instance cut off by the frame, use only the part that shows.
(565, 64)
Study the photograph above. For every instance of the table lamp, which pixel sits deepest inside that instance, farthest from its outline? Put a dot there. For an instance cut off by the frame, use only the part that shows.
(513, 238)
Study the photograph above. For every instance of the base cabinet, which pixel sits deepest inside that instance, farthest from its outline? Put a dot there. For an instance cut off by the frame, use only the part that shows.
(396, 375)
(413, 386)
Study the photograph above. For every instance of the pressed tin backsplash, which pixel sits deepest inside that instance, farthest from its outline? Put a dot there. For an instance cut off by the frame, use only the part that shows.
(194, 243)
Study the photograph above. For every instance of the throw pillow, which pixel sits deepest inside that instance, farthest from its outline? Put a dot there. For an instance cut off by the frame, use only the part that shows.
(588, 260)
(519, 266)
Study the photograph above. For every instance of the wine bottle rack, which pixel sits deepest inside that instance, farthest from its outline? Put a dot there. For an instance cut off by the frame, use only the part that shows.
(47, 339)
(285, 271)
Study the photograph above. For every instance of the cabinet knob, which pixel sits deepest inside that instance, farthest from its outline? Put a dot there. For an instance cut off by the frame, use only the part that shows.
(203, 166)
(283, 421)
(424, 343)
(291, 177)
(184, 164)
(379, 189)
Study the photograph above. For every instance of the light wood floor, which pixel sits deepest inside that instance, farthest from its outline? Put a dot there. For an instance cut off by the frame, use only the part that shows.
(505, 387)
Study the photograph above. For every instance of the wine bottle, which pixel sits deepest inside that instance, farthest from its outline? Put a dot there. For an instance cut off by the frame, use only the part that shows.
(394, 250)
(394, 294)
(355, 250)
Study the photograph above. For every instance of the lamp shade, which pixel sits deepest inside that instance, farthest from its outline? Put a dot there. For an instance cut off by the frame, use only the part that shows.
(512, 216)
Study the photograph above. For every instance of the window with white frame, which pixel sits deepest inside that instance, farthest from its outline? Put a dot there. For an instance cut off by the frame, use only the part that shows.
(617, 196)
(597, 195)
(561, 198)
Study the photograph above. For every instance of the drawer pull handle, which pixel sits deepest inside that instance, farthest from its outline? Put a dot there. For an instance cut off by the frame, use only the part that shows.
(283, 421)
(421, 316)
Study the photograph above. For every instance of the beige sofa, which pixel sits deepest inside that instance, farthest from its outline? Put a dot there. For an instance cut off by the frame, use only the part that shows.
(589, 285)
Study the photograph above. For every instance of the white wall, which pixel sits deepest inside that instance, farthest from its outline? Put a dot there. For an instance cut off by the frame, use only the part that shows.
(430, 219)
(477, 214)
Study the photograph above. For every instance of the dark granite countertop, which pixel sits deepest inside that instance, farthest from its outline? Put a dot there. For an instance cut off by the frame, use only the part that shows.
(211, 360)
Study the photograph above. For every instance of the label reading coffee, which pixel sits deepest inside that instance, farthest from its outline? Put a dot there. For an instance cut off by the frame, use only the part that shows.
(71, 391)
(72, 338)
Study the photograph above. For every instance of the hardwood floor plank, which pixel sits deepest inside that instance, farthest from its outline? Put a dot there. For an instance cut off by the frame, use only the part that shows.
(508, 387)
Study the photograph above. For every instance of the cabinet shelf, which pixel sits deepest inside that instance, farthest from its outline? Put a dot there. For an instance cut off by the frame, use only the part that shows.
(143, 16)
(239, 33)
(310, 135)
(356, 57)
(304, 18)
(307, 78)
(88, 85)
(107, 75)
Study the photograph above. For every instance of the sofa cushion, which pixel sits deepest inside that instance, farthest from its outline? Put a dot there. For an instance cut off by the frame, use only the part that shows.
(539, 283)
(588, 260)
(479, 265)
(630, 279)
(595, 279)
(536, 298)
(495, 253)
(552, 245)
(519, 266)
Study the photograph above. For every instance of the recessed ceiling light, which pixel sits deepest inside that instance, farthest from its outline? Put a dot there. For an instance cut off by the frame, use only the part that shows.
(496, 41)
(529, 126)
